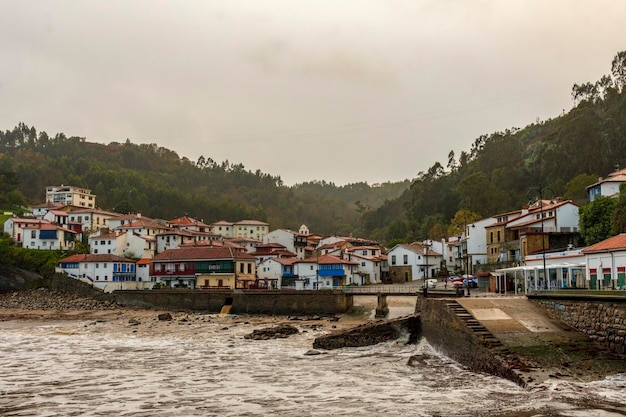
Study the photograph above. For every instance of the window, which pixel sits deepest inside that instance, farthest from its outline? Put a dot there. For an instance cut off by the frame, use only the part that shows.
(365, 253)
(249, 268)
(405, 259)
(33, 234)
(97, 265)
(393, 259)
(363, 263)
(95, 251)
(498, 236)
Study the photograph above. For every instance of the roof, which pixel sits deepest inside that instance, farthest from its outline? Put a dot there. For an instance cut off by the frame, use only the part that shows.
(94, 211)
(103, 257)
(329, 260)
(418, 248)
(611, 244)
(616, 176)
(201, 253)
(187, 221)
(251, 222)
(144, 261)
(48, 226)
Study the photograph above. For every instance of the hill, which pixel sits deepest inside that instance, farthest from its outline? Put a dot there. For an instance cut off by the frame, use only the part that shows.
(157, 182)
(566, 154)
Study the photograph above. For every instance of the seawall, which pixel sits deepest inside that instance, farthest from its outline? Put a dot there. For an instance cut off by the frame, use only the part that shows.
(602, 317)
(445, 331)
(241, 301)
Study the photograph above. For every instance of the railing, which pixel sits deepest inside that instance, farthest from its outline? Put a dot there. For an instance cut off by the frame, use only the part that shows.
(382, 289)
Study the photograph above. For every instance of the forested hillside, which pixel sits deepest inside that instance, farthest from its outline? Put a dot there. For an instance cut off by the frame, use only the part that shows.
(566, 154)
(158, 183)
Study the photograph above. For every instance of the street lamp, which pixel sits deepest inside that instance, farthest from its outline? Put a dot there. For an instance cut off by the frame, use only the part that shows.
(536, 195)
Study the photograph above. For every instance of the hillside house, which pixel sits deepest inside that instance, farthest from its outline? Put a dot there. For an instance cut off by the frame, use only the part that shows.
(103, 271)
(412, 262)
(48, 236)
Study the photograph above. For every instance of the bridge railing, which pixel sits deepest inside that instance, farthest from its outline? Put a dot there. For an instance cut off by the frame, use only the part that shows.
(382, 289)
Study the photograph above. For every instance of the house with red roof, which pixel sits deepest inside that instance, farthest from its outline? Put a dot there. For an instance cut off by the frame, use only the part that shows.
(292, 241)
(325, 272)
(14, 227)
(121, 243)
(278, 272)
(543, 225)
(48, 236)
(205, 267)
(412, 262)
(103, 271)
(606, 263)
(607, 187)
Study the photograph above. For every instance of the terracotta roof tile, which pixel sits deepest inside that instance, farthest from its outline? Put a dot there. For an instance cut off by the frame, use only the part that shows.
(611, 244)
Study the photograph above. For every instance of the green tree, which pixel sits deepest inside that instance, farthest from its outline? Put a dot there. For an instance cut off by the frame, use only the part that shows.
(596, 220)
(619, 215)
(576, 188)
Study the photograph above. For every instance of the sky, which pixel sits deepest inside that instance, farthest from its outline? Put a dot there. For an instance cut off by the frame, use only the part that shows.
(337, 90)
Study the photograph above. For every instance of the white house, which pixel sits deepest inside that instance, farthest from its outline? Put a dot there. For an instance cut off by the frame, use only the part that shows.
(107, 272)
(120, 243)
(144, 279)
(607, 187)
(14, 227)
(412, 262)
(58, 217)
(90, 219)
(280, 270)
(326, 272)
(292, 241)
(40, 210)
(71, 196)
(48, 236)
(606, 263)
(370, 262)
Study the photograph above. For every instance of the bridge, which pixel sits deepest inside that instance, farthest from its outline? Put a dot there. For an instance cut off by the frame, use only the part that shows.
(397, 290)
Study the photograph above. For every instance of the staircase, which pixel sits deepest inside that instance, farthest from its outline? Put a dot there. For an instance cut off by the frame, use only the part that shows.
(485, 337)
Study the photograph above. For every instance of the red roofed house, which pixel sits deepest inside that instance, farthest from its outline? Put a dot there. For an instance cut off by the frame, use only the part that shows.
(607, 187)
(107, 272)
(205, 267)
(48, 236)
(326, 272)
(606, 263)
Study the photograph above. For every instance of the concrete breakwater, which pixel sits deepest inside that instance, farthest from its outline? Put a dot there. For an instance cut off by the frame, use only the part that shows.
(371, 334)
(241, 301)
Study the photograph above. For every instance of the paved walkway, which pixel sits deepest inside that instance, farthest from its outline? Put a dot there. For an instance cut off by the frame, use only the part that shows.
(547, 347)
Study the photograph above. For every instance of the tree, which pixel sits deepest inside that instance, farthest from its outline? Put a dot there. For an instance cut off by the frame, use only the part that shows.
(619, 215)
(576, 188)
(596, 220)
(462, 219)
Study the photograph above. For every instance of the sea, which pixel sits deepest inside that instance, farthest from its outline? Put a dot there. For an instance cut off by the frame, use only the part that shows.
(202, 365)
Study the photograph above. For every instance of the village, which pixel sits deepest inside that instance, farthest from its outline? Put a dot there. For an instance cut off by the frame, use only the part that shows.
(534, 248)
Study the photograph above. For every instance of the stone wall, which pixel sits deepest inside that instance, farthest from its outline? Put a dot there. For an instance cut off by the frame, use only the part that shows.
(241, 301)
(601, 317)
(444, 331)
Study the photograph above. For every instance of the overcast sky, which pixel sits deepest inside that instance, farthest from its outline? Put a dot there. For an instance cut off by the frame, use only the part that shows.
(335, 90)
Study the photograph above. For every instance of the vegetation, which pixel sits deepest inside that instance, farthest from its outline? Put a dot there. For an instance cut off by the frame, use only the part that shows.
(566, 153)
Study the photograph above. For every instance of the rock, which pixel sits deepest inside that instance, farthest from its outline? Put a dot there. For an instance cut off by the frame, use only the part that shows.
(133, 322)
(313, 352)
(280, 331)
(165, 317)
